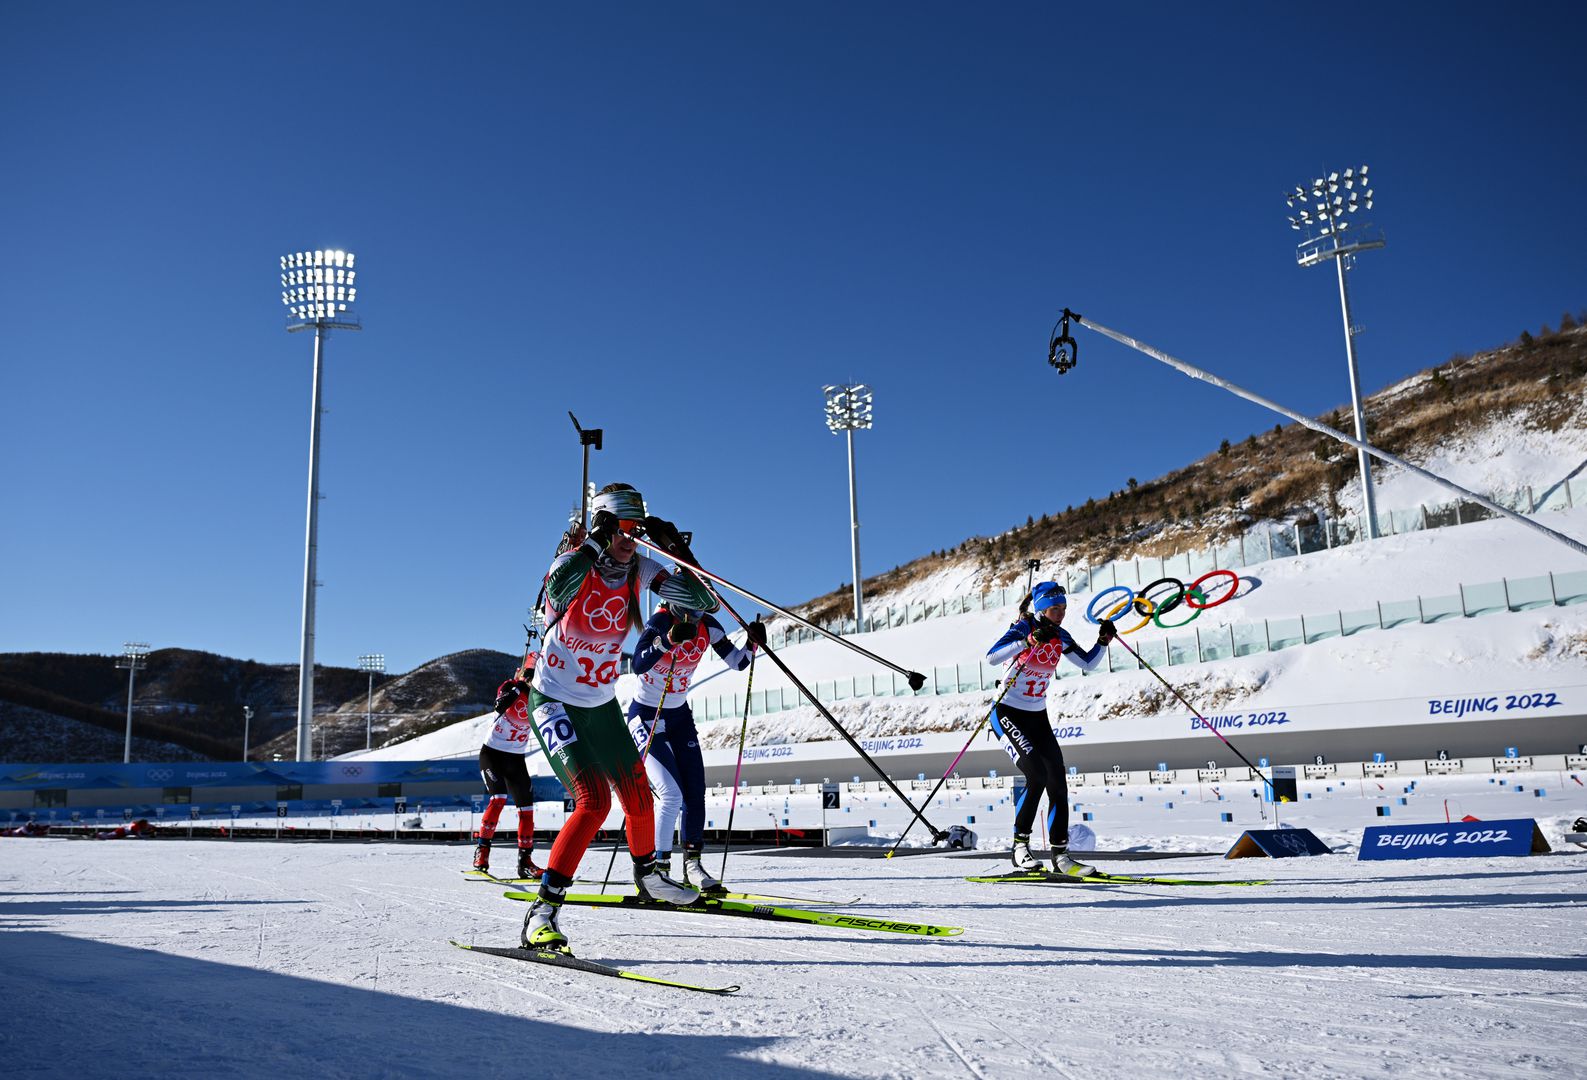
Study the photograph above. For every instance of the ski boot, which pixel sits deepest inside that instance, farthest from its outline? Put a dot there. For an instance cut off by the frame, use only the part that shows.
(1023, 859)
(654, 885)
(482, 854)
(540, 929)
(526, 865)
(1062, 863)
(694, 873)
(664, 863)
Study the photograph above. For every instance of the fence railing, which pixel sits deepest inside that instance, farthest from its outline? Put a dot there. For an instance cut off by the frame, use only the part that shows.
(1199, 646)
(1262, 544)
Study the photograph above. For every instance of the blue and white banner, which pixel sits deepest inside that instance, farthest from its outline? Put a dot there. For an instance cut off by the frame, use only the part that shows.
(1453, 840)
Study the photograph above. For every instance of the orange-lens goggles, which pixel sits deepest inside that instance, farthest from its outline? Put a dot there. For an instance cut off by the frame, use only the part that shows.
(632, 528)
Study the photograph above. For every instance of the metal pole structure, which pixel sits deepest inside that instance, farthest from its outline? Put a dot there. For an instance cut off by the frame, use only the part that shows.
(316, 287)
(134, 657)
(247, 719)
(373, 663)
(310, 560)
(1321, 206)
(1369, 496)
(854, 529)
(588, 437)
(848, 410)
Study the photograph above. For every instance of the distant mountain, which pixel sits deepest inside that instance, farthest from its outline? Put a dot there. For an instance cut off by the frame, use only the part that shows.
(53, 706)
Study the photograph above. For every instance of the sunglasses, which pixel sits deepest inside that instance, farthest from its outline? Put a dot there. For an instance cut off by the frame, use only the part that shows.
(631, 528)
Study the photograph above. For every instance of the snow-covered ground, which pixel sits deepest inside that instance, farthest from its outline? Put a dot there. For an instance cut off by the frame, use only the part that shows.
(175, 958)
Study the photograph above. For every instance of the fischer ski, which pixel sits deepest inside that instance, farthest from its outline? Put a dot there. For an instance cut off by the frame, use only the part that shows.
(710, 905)
(557, 958)
(1048, 877)
(481, 875)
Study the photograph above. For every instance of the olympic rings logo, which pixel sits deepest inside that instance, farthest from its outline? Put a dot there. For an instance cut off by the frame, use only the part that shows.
(160, 774)
(1046, 654)
(1151, 604)
(687, 653)
(608, 616)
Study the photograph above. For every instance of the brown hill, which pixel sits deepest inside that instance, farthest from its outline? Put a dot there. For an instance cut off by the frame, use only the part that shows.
(194, 700)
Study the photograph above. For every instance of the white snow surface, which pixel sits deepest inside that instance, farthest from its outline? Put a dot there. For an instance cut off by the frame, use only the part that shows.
(173, 958)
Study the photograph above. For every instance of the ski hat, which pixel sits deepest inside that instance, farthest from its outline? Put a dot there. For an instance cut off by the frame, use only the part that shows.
(1047, 594)
(626, 503)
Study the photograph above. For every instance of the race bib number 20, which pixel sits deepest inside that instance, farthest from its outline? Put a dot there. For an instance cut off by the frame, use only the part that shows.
(556, 730)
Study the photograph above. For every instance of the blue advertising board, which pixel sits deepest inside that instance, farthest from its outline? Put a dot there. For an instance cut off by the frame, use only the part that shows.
(1453, 840)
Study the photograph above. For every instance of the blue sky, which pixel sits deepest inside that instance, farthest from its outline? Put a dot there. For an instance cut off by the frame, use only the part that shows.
(680, 221)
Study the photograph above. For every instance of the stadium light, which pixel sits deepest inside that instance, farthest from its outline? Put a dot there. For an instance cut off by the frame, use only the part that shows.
(1325, 211)
(849, 410)
(318, 289)
(373, 663)
(133, 659)
(247, 719)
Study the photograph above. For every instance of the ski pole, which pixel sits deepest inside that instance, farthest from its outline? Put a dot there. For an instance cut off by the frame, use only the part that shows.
(643, 757)
(1007, 682)
(809, 695)
(916, 679)
(749, 687)
(1204, 721)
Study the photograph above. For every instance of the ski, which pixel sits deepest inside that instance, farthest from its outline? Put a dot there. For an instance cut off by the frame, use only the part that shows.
(481, 875)
(1048, 877)
(556, 958)
(710, 905)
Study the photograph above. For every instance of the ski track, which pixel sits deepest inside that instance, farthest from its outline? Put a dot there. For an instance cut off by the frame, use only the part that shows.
(1339, 969)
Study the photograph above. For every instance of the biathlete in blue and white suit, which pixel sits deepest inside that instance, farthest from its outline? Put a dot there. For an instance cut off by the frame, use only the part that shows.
(1033, 647)
(669, 650)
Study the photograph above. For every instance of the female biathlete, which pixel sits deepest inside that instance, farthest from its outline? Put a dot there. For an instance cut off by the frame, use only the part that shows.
(668, 652)
(502, 767)
(592, 597)
(1034, 645)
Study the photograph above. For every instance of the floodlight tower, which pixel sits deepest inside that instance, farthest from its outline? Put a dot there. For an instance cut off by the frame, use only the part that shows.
(375, 664)
(133, 659)
(316, 287)
(1323, 214)
(848, 411)
(247, 719)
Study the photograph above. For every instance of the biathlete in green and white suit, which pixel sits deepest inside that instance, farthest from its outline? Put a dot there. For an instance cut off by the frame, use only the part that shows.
(592, 598)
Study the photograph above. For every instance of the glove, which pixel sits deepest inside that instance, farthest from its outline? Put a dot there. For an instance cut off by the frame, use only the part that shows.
(1106, 631)
(681, 631)
(508, 696)
(757, 632)
(1043, 633)
(603, 528)
(665, 535)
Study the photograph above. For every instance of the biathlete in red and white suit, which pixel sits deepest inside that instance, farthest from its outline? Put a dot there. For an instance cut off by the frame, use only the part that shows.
(502, 767)
(592, 598)
(670, 649)
(1033, 647)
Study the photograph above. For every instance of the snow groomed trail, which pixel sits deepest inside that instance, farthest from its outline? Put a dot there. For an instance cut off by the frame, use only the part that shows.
(177, 958)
